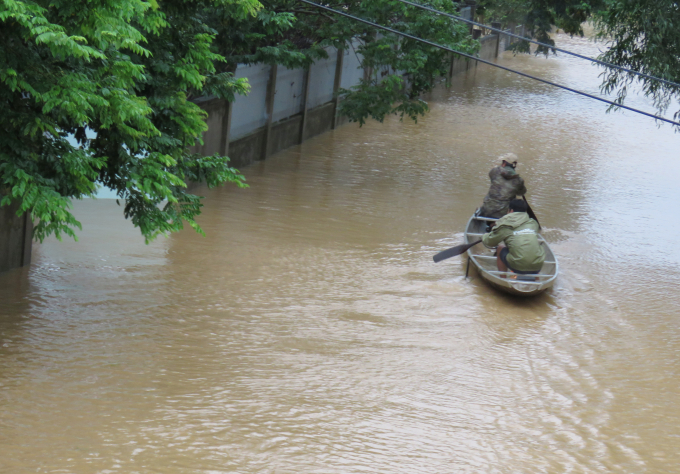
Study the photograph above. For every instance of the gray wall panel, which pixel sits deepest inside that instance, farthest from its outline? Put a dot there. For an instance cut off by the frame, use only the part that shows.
(323, 75)
(289, 90)
(249, 112)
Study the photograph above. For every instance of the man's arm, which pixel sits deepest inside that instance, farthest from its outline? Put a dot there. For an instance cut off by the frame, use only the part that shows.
(497, 235)
(522, 188)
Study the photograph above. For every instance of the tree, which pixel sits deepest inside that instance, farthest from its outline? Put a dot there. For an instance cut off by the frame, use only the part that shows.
(121, 70)
(539, 17)
(401, 69)
(643, 35)
(99, 93)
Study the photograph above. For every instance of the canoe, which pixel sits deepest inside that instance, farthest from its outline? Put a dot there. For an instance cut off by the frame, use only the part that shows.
(485, 262)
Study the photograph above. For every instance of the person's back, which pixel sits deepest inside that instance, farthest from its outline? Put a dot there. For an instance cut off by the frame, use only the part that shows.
(524, 252)
(506, 184)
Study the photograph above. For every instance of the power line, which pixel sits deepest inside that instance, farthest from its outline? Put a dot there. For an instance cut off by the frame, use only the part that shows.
(587, 58)
(484, 61)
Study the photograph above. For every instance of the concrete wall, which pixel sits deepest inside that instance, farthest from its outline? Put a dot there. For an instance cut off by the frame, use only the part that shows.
(212, 139)
(289, 96)
(283, 108)
(249, 112)
(352, 72)
(486, 51)
(288, 106)
(15, 238)
(322, 80)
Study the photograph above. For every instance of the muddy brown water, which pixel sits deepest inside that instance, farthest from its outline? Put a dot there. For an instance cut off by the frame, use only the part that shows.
(310, 332)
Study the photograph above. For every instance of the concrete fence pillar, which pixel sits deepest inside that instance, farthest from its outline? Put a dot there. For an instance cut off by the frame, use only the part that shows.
(497, 25)
(16, 238)
(226, 119)
(509, 39)
(449, 75)
(226, 128)
(368, 71)
(305, 102)
(269, 107)
(473, 10)
(336, 85)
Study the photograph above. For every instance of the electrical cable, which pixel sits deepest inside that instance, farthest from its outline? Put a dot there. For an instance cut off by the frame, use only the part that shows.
(484, 61)
(603, 63)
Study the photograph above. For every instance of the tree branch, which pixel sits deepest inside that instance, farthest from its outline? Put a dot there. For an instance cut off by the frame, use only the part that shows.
(334, 20)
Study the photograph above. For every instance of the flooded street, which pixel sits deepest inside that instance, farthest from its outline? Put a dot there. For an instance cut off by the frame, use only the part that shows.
(310, 331)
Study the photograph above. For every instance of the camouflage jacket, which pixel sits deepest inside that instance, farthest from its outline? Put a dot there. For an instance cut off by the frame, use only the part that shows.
(506, 184)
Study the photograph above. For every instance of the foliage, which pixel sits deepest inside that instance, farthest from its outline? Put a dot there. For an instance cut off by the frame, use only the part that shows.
(539, 16)
(644, 35)
(120, 71)
(400, 69)
(100, 92)
(294, 34)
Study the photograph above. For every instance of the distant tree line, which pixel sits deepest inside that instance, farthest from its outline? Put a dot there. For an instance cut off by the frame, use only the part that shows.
(642, 35)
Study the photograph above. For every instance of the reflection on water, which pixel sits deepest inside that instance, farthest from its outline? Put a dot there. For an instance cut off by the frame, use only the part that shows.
(311, 332)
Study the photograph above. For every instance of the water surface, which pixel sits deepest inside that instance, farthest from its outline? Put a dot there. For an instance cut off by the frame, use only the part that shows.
(310, 332)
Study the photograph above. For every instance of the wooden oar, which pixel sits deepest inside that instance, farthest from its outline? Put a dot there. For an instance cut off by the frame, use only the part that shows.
(530, 211)
(453, 251)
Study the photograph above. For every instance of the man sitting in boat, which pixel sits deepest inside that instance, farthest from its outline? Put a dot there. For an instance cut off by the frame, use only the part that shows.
(506, 184)
(523, 253)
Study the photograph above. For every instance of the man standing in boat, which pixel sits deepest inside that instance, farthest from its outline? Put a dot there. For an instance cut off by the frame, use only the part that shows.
(506, 184)
(523, 253)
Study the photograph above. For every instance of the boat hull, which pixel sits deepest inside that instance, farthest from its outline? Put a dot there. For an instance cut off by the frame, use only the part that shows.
(485, 263)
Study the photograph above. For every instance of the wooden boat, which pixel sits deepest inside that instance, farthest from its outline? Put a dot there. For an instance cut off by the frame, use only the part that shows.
(485, 262)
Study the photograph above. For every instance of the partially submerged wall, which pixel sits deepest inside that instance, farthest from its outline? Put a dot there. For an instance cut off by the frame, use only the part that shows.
(487, 50)
(15, 238)
(288, 106)
(284, 107)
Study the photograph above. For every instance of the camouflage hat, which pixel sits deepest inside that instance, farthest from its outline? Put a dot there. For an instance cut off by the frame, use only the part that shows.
(509, 158)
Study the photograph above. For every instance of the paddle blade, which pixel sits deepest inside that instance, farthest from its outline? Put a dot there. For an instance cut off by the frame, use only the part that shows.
(453, 251)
